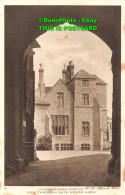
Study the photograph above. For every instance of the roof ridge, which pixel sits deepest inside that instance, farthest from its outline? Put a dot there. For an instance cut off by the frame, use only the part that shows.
(82, 70)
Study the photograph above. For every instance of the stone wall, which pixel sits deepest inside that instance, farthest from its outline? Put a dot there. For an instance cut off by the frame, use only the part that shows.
(95, 113)
(83, 113)
(101, 95)
(96, 126)
(54, 109)
(92, 113)
(39, 118)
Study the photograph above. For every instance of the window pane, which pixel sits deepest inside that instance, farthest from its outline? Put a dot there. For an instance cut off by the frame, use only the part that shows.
(55, 121)
(85, 128)
(63, 120)
(58, 102)
(59, 120)
(85, 83)
(85, 146)
(83, 132)
(63, 130)
(59, 130)
(83, 123)
(85, 99)
(60, 124)
(60, 99)
(87, 124)
(66, 121)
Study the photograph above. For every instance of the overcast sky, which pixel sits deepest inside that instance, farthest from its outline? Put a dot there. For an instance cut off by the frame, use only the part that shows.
(87, 51)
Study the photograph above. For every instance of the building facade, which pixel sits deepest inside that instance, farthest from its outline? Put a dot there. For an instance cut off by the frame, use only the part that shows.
(74, 110)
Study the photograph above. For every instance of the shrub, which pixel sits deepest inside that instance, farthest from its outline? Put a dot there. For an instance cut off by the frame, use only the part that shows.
(44, 143)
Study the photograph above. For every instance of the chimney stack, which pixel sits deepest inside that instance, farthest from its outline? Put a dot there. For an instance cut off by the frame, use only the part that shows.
(70, 70)
(41, 84)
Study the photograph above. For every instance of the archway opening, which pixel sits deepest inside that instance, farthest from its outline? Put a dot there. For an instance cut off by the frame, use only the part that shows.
(88, 52)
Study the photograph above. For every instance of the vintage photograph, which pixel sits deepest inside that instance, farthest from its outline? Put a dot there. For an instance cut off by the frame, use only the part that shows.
(62, 96)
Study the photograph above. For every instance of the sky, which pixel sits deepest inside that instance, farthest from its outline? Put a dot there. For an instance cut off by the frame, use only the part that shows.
(84, 48)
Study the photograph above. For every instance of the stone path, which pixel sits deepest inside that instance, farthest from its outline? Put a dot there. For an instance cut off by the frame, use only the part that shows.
(56, 155)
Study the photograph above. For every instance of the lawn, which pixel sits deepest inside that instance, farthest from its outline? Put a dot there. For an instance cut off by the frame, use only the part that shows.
(75, 171)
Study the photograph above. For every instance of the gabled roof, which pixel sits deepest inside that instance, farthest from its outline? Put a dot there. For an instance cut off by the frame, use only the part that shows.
(41, 101)
(83, 74)
(99, 81)
(56, 84)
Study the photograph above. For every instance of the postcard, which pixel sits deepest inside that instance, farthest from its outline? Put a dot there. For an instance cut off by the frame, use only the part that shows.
(62, 97)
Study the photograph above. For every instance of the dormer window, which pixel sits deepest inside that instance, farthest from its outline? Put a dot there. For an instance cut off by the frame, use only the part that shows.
(85, 83)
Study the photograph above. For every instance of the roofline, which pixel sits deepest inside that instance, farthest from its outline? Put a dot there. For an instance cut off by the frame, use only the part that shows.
(55, 85)
(104, 83)
(82, 77)
(101, 83)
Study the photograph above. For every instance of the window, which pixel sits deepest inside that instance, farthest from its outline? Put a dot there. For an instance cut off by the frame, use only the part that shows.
(85, 83)
(85, 99)
(65, 146)
(60, 124)
(85, 146)
(57, 146)
(85, 128)
(60, 99)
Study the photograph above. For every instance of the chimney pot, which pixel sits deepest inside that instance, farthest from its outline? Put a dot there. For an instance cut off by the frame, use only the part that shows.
(70, 70)
(64, 74)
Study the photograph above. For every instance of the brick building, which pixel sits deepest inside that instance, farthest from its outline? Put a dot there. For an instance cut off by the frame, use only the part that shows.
(74, 110)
